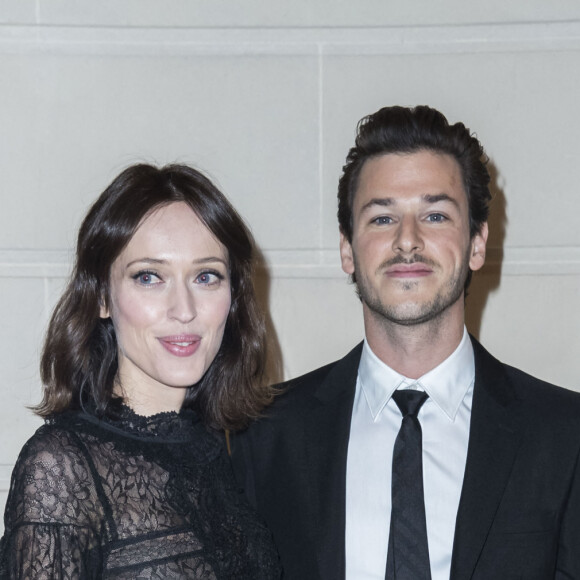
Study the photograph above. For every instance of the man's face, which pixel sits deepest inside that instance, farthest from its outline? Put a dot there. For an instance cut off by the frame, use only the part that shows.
(411, 250)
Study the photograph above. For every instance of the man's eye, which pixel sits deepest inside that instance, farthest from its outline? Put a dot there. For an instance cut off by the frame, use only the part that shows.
(436, 217)
(382, 220)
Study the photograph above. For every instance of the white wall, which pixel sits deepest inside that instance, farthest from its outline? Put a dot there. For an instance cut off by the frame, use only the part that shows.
(264, 95)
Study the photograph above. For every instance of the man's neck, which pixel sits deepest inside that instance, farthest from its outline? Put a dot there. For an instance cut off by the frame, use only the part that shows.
(416, 349)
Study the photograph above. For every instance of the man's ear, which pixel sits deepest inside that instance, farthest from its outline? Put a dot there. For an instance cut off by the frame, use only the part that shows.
(346, 257)
(478, 248)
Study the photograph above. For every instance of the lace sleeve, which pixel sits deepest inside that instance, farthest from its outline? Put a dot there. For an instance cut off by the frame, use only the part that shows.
(53, 516)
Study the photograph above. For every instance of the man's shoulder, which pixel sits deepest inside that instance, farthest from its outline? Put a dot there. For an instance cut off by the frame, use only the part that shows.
(301, 389)
(535, 393)
(302, 385)
(298, 392)
(318, 395)
(543, 394)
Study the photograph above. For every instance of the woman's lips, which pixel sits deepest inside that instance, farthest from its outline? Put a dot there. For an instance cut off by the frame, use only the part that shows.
(416, 270)
(181, 345)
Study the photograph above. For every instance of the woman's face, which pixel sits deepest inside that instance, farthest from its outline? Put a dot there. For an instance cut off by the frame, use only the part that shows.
(169, 302)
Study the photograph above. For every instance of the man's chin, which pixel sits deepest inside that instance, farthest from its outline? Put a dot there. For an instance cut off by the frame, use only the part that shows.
(409, 313)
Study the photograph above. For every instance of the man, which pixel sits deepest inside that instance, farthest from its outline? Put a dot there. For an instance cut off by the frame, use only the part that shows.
(500, 497)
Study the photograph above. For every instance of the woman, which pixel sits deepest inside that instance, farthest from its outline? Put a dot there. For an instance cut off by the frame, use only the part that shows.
(155, 345)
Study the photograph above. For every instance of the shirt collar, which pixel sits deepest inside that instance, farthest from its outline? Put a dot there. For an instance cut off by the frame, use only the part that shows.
(446, 384)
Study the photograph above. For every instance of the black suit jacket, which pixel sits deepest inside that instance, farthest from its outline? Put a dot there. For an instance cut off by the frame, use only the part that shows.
(519, 512)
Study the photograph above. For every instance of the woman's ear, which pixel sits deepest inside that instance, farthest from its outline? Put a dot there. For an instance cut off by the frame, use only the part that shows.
(103, 308)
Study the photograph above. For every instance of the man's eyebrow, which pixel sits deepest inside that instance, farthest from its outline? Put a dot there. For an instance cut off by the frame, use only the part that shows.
(428, 198)
(434, 198)
(381, 201)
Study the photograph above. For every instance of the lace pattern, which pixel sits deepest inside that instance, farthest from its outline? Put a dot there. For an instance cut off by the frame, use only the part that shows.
(130, 497)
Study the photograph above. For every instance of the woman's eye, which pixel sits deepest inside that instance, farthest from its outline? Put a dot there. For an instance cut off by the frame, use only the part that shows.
(208, 278)
(146, 278)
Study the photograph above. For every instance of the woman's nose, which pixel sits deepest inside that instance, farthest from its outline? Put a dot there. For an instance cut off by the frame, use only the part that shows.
(182, 303)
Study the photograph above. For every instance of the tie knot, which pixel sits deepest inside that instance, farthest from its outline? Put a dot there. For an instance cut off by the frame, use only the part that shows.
(409, 401)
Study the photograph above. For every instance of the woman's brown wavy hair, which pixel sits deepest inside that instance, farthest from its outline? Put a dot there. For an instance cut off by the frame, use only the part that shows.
(79, 358)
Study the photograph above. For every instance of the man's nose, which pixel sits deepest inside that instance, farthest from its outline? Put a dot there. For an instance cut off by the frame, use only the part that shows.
(408, 238)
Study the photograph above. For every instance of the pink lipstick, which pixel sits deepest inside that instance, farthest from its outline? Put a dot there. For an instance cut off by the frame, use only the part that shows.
(180, 344)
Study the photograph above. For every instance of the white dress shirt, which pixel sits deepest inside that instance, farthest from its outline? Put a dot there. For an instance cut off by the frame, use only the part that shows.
(376, 420)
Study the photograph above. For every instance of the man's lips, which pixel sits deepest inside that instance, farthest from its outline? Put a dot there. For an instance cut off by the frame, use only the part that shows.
(415, 270)
(181, 344)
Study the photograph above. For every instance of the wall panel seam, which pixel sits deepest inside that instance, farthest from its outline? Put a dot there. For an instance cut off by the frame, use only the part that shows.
(547, 36)
(314, 262)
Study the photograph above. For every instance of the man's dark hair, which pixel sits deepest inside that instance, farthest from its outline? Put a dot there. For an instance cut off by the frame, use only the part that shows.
(79, 360)
(408, 130)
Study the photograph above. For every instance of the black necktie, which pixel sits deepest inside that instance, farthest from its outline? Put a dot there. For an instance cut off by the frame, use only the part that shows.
(408, 555)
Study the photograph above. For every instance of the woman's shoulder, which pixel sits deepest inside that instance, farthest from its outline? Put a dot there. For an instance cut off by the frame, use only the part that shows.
(53, 441)
(52, 480)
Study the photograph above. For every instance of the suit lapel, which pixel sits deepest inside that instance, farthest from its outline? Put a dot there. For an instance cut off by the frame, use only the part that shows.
(497, 425)
(495, 434)
(327, 430)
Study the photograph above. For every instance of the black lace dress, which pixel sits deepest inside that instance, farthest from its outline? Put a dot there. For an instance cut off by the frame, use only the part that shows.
(130, 497)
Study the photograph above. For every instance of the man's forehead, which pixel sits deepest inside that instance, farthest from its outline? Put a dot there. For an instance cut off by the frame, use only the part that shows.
(425, 174)
(425, 199)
